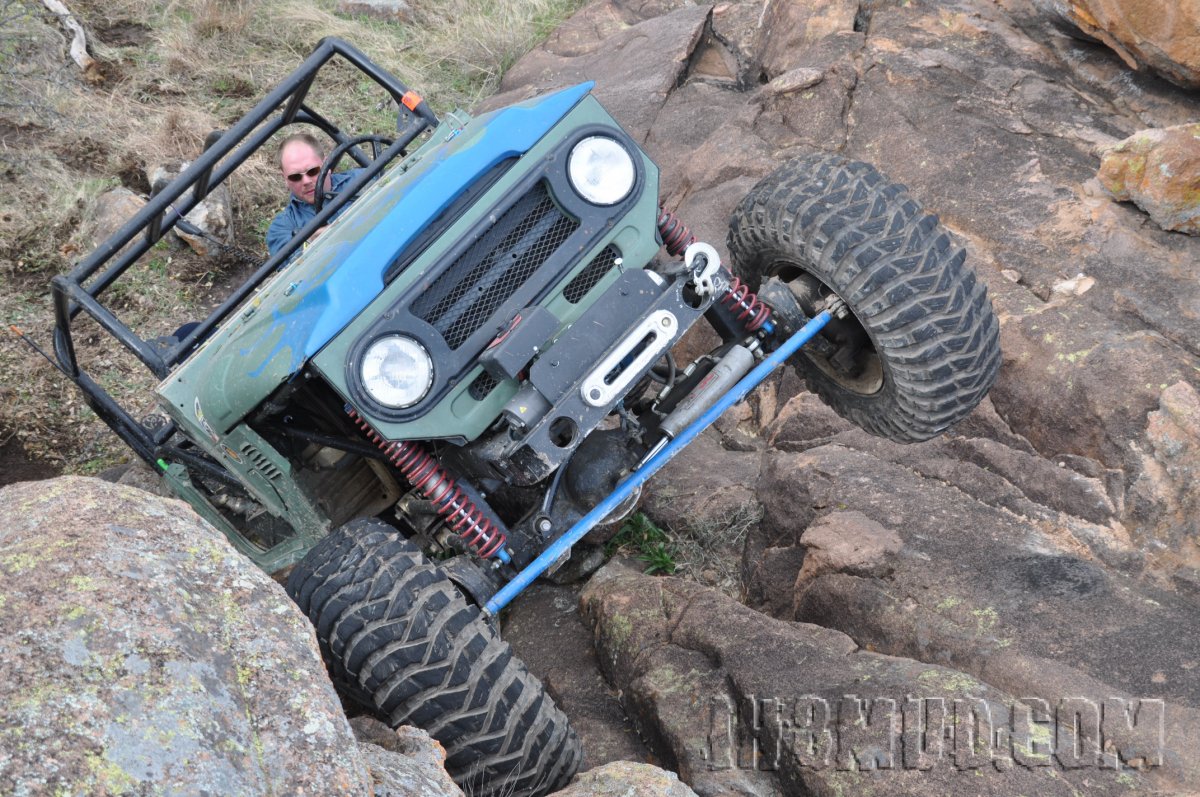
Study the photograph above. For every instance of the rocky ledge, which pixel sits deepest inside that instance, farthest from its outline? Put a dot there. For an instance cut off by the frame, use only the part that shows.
(1008, 609)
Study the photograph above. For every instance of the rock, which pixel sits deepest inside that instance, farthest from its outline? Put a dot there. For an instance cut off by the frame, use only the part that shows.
(1075, 383)
(632, 78)
(1168, 490)
(996, 596)
(586, 556)
(982, 457)
(114, 208)
(213, 215)
(1163, 35)
(770, 576)
(1159, 171)
(787, 30)
(743, 704)
(626, 779)
(1075, 286)
(545, 630)
(795, 80)
(405, 762)
(142, 654)
(385, 10)
(846, 542)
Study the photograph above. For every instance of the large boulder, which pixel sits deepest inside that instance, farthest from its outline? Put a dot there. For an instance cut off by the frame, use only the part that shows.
(1162, 35)
(1159, 171)
(744, 704)
(633, 76)
(142, 654)
(113, 210)
(211, 219)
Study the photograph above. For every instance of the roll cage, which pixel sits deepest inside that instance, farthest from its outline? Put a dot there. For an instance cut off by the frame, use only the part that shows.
(224, 152)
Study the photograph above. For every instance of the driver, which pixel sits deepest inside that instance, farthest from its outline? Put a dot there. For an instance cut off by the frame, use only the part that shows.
(300, 159)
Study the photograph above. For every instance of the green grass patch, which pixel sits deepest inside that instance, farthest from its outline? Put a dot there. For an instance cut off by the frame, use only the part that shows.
(648, 543)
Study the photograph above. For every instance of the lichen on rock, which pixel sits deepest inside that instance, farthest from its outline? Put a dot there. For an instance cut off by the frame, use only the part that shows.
(1159, 171)
(142, 654)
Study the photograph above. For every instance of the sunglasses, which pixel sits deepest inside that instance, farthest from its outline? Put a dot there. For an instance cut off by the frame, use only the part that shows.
(298, 176)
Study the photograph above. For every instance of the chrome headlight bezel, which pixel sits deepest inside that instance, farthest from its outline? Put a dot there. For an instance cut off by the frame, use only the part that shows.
(601, 170)
(387, 389)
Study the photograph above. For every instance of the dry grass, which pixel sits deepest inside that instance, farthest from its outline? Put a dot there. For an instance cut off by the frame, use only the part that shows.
(174, 71)
(710, 551)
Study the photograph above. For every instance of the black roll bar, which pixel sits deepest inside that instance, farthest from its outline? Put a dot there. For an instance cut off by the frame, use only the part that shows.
(79, 290)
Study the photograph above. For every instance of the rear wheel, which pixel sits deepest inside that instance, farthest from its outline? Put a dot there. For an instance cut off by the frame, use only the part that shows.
(400, 639)
(920, 347)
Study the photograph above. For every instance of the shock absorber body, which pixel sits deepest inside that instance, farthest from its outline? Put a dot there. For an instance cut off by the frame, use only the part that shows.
(478, 529)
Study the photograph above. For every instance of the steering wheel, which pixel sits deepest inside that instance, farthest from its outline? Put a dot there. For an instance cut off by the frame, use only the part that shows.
(378, 144)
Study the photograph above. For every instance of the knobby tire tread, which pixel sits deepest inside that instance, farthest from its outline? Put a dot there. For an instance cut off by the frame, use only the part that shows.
(900, 272)
(400, 639)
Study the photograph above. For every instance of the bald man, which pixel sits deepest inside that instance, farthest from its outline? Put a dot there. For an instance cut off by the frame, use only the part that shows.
(300, 158)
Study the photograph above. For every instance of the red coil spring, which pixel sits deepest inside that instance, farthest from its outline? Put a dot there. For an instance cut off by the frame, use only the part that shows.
(676, 237)
(745, 304)
(439, 488)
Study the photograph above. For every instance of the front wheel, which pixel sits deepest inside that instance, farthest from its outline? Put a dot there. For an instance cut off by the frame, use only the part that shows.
(399, 639)
(920, 347)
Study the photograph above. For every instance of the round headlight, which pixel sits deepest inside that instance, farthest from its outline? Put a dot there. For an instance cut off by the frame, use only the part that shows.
(396, 371)
(601, 170)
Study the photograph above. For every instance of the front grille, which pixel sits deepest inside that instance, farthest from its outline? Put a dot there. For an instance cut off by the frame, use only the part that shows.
(482, 279)
(482, 385)
(592, 273)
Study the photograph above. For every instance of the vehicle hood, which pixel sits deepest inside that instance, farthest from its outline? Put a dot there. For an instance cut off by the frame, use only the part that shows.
(268, 340)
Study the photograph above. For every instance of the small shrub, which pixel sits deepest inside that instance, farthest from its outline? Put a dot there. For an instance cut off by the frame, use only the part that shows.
(650, 544)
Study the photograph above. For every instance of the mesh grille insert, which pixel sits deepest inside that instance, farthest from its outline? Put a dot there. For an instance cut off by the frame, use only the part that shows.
(481, 386)
(592, 273)
(470, 291)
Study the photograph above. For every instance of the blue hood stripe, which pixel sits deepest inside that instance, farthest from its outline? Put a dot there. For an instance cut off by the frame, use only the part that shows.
(352, 276)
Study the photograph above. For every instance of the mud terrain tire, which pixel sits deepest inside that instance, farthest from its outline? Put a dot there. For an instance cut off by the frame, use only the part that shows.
(399, 638)
(931, 346)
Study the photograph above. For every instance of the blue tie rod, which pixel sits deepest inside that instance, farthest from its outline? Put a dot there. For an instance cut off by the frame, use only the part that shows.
(639, 477)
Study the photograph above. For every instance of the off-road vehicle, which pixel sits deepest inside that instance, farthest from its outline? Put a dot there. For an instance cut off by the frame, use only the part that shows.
(424, 408)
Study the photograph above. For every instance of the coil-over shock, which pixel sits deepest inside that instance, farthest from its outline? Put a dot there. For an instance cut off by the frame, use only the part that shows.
(737, 309)
(478, 528)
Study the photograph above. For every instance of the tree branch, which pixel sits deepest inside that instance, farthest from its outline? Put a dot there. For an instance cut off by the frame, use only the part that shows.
(79, 53)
